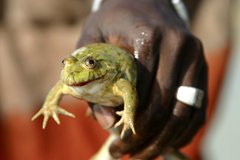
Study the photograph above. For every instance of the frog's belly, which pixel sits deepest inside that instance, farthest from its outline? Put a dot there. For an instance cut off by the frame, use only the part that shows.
(98, 95)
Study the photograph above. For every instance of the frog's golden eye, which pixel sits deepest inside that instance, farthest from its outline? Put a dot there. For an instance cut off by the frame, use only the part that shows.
(90, 62)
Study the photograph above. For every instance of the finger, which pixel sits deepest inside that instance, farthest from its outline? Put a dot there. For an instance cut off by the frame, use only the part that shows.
(66, 113)
(190, 131)
(181, 112)
(196, 76)
(160, 143)
(143, 39)
(90, 32)
(199, 116)
(147, 124)
(158, 110)
(175, 124)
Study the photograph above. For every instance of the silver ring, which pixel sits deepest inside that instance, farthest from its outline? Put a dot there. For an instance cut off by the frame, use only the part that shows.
(190, 95)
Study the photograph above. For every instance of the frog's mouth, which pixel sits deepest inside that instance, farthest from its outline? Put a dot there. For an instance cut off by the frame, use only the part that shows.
(80, 84)
(70, 80)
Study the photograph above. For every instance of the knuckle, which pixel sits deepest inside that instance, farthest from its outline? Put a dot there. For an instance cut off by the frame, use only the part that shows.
(144, 27)
(144, 33)
(144, 38)
(177, 37)
(183, 39)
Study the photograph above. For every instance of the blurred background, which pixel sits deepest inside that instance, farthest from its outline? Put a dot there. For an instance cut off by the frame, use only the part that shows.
(36, 35)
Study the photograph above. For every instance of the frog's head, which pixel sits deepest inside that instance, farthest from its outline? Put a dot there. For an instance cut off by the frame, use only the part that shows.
(86, 65)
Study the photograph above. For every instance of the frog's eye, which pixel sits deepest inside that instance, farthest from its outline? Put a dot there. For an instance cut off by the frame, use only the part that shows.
(90, 62)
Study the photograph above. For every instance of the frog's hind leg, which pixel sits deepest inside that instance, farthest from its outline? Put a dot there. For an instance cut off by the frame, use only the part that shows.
(103, 153)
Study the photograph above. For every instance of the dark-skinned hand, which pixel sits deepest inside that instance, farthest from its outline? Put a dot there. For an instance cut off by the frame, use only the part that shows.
(168, 56)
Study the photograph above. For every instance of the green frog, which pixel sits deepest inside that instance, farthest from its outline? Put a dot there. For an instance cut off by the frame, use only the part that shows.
(99, 73)
(102, 74)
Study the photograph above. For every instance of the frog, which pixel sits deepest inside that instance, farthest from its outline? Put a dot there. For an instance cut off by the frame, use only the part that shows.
(99, 73)
(102, 74)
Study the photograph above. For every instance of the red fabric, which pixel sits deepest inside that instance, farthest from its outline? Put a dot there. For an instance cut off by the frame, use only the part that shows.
(74, 139)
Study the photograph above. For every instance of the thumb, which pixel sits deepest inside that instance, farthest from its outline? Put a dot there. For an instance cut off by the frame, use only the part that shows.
(90, 32)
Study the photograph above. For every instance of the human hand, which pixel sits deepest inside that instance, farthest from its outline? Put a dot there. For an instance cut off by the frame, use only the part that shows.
(168, 56)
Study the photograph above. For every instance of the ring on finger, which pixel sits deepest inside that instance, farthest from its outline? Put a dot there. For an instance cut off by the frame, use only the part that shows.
(190, 95)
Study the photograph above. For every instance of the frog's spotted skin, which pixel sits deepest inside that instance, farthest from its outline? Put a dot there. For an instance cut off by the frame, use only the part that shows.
(99, 73)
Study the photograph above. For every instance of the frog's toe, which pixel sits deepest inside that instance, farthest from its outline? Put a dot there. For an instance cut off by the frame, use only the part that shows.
(66, 113)
(46, 115)
(127, 123)
(45, 120)
(132, 127)
(37, 115)
(126, 127)
(120, 113)
(119, 123)
(55, 117)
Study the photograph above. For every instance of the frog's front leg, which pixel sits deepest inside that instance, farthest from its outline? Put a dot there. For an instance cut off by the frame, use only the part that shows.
(126, 90)
(50, 107)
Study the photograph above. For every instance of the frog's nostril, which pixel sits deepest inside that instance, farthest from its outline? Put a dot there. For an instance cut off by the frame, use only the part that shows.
(69, 60)
(63, 61)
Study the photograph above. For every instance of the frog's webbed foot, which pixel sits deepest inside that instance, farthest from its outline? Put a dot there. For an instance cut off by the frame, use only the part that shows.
(51, 111)
(127, 122)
